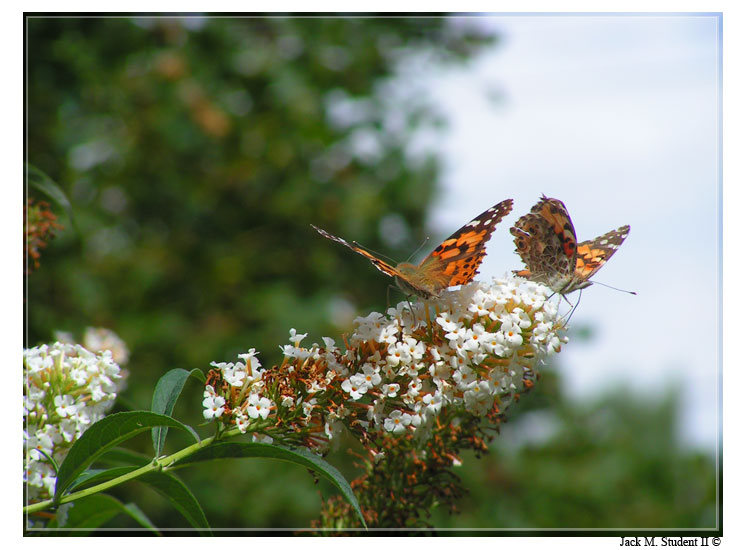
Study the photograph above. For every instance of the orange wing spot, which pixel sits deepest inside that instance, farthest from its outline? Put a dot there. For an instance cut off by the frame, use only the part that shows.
(591, 253)
(445, 244)
(451, 268)
(471, 238)
(449, 253)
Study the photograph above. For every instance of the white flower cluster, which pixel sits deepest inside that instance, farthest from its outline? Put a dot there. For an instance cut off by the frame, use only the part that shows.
(67, 388)
(243, 378)
(484, 341)
(99, 339)
(398, 372)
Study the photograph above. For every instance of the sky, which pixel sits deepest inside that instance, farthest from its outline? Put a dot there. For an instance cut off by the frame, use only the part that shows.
(618, 117)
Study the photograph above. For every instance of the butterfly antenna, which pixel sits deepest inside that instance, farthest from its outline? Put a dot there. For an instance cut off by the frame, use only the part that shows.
(424, 242)
(374, 252)
(615, 288)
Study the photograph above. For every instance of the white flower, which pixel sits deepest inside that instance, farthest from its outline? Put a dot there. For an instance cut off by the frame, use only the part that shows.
(295, 338)
(450, 327)
(241, 420)
(370, 375)
(65, 405)
(233, 373)
(414, 387)
(396, 422)
(251, 360)
(258, 406)
(398, 353)
(464, 376)
(355, 385)
(391, 390)
(308, 407)
(100, 339)
(213, 407)
(330, 344)
(434, 402)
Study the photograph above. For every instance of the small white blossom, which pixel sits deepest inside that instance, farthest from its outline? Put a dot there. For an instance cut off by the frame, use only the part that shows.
(355, 385)
(258, 406)
(213, 407)
(396, 422)
(295, 338)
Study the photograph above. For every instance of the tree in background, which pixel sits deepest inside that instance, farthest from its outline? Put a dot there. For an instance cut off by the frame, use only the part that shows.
(195, 153)
(612, 461)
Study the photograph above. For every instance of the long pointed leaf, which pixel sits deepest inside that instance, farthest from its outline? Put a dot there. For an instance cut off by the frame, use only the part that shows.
(87, 514)
(178, 494)
(166, 392)
(263, 450)
(108, 432)
(42, 182)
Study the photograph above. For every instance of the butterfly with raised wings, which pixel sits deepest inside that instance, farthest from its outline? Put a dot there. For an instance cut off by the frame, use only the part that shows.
(546, 241)
(454, 262)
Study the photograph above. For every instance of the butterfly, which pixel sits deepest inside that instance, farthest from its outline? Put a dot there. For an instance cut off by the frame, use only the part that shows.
(454, 262)
(546, 241)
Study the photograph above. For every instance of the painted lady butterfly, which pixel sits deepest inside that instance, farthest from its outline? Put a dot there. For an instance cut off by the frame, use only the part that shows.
(546, 241)
(454, 262)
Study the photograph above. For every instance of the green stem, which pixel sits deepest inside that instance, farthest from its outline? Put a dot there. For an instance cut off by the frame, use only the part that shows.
(159, 465)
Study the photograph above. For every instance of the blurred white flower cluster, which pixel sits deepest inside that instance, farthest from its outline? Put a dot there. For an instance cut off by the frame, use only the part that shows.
(99, 339)
(67, 388)
(399, 372)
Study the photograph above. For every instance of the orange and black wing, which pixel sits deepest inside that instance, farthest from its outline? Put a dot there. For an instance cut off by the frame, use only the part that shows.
(593, 254)
(377, 262)
(456, 260)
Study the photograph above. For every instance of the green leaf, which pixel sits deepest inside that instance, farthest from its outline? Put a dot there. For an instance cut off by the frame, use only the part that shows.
(178, 494)
(263, 450)
(166, 392)
(137, 514)
(169, 486)
(42, 182)
(108, 432)
(87, 514)
(119, 456)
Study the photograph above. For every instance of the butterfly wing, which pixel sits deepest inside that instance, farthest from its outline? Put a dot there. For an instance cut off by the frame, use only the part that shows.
(377, 262)
(546, 241)
(553, 211)
(593, 254)
(537, 246)
(456, 260)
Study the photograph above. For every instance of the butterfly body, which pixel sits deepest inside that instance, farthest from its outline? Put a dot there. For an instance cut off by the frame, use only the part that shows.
(546, 241)
(454, 262)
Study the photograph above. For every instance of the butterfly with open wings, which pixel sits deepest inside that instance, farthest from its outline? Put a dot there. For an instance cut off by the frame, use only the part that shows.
(454, 262)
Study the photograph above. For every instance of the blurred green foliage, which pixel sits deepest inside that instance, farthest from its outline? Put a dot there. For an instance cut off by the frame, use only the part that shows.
(616, 462)
(196, 152)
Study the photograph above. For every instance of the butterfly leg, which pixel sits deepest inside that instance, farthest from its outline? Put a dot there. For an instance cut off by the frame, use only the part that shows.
(388, 301)
(570, 315)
